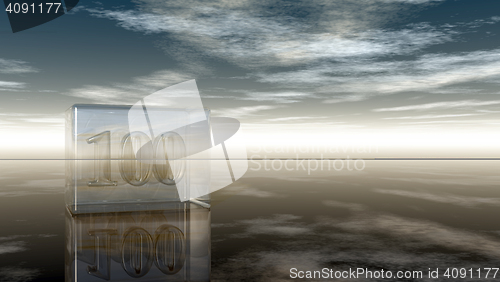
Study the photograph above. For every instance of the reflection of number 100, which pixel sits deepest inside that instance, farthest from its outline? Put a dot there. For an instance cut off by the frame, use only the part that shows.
(164, 157)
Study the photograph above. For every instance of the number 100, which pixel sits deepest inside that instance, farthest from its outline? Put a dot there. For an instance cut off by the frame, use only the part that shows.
(162, 157)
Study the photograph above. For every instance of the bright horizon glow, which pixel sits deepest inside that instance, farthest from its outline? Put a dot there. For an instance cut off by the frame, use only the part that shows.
(287, 140)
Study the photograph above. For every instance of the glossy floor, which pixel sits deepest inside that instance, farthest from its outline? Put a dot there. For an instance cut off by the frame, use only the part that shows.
(392, 215)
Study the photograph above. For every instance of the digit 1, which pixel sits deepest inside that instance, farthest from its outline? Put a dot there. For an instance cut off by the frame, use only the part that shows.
(102, 162)
(102, 256)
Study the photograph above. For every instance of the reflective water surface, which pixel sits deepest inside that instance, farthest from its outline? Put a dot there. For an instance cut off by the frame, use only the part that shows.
(393, 215)
(171, 244)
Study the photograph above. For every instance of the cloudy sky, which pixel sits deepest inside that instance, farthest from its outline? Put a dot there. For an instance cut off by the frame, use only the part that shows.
(416, 78)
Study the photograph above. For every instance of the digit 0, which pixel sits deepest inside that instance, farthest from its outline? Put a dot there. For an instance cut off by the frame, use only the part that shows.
(170, 249)
(137, 252)
(169, 164)
(135, 168)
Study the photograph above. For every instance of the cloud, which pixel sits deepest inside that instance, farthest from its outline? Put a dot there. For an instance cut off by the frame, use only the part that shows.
(464, 181)
(13, 237)
(42, 185)
(365, 78)
(344, 52)
(250, 40)
(341, 53)
(348, 98)
(26, 121)
(279, 97)
(49, 120)
(433, 116)
(420, 233)
(278, 224)
(158, 79)
(17, 274)
(391, 240)
(443, 198)
(460, 122)
(15, 67)
(439, 106)
(363, 238)
(251, 192)
(349, 206)
(33, 187)
(104, 94)
(12, 247)
(411, 1)
(123, 93)
(11, 84)
(294, 119)
(271, 265)
(47, 235)
(240, 112)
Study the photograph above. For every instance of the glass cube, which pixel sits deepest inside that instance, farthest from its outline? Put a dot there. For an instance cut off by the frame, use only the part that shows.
(172, 244)
(125, 158)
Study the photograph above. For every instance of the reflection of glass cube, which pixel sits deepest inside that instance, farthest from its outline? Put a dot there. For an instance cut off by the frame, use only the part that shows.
(172, 244)
(108, 165)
